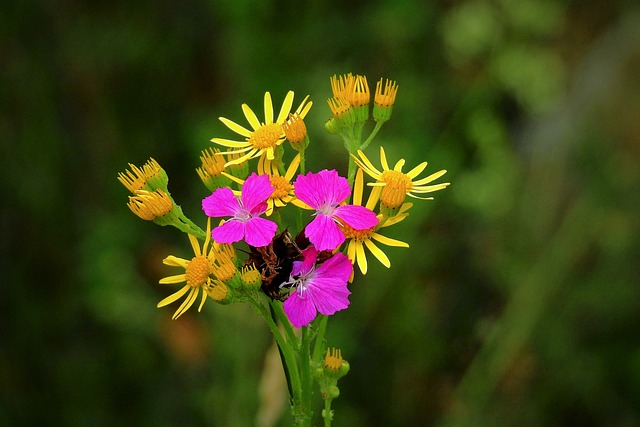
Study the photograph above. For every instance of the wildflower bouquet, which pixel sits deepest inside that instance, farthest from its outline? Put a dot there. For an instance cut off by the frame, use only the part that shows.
(298, 268)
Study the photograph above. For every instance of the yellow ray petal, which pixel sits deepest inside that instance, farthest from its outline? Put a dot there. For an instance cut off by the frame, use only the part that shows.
(171, 280)
(304, 107)
(195, 245)
(268, 109)
(383, 160)
(429, 188)
(417, 170)
(174, 297)
(242, 159)
(399, 165)
(361, 257)
(251, 116)
(430, 178)
(374, 196)
(293, 167)
(286, 107)
(204, 298)
(378, 253)
(175, 261)
(351, 251)
(389, 241)
(230, 143)
(357, 188)
(366, 164)
(187, 303)
(236, 127)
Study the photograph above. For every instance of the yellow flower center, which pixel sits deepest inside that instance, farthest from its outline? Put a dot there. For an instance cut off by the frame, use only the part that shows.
(197, 271)
(224, 270)
(150, 205)
(281, 187)
(212, 162)
(218, 292)
(394, 193)
(250, 276)
(358, 235)
(295, 129)
(333, 359)
(266, 136)
(339, 107)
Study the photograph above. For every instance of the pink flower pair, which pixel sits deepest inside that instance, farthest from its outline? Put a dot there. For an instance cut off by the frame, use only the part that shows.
(323, 191)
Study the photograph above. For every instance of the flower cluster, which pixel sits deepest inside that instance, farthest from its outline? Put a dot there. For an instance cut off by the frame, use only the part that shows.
(301, 269)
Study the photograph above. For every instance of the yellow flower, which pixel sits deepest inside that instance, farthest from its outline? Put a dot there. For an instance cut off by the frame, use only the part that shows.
(296, 132)
(150, 176)
(198, 273)
(396, 184)
(359, 239)
(385, 97)
(151, 205)
(264, 136)
(354, 89)
(383, 100)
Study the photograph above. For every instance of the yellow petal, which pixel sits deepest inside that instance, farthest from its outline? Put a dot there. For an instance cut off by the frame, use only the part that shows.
(174, 297)
(389, 241)
(378, 253)
(357, 188)
(374, 196)
(430, 178)
(367, 166)
(195, 245)
(204, 298)
(286, 107)
(429, 188)
(251, 116)
(399, 165)
(291, 170)
(361, 257)
(304, 107)
(230, 143)
(383, 160)
(175, 261)
(172, 280)
(188, 302)
(236, 127)
(417, 170)
(268, 109)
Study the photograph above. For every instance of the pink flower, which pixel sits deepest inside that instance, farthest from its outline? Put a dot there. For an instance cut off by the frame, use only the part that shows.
(324, 191)
(320, 288)
(246, 222)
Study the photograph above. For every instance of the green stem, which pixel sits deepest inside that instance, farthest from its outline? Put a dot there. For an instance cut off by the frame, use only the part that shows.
(320, 347)
(373, 133)
(305, 370)
(289, 358)
(326, 414)
(276, 306)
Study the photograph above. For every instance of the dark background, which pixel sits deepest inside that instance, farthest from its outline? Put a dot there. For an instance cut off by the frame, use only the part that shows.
(518, 302)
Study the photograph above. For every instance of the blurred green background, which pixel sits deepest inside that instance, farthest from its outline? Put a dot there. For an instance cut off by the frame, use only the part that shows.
(517, 304)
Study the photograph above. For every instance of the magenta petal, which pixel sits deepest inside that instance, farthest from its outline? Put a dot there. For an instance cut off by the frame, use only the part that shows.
(299, 310)
(324, 233)
(358, 217)
(329, 296)
(335, 188)
(338, 266)
(230, 232)
(323, 188)
(259, 231)
(309, 257)
(309, 190)
(256, 190)
(221, 202)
